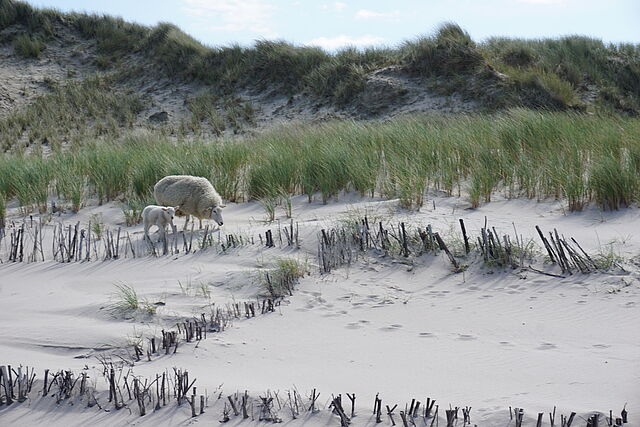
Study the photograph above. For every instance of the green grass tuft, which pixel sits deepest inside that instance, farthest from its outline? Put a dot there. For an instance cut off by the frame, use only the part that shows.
(28, 46)
(281, 279)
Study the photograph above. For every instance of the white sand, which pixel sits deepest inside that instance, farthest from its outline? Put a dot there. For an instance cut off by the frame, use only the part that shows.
(486, 338)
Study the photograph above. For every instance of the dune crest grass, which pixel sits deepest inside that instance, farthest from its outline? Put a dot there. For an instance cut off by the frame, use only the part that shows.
(546, 73)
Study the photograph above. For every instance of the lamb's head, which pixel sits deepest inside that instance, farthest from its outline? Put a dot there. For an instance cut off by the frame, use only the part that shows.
(169, 213)
(216, 214)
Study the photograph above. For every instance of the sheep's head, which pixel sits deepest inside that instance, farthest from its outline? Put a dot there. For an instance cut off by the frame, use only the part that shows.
(216, 214)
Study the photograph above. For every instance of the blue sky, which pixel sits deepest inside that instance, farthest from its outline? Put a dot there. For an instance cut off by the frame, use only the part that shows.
(334, 24)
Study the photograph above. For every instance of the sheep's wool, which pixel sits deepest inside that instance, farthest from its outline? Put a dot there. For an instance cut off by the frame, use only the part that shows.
(193, 194)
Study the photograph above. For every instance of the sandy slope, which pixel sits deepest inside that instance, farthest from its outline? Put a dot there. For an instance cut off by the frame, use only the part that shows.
(485, 338)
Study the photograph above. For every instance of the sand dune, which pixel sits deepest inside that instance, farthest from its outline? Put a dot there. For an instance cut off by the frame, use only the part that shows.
(488, 338)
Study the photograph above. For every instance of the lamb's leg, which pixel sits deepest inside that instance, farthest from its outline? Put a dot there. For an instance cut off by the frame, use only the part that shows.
(186, 222)
(146, 231)
(200, 219)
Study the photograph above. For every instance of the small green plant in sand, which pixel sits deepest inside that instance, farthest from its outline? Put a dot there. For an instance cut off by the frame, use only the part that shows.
(280, 280)
(608, 258)
(269, 205)
(97, 225)
(186, 287)
(204, 291)
(126, 301)
(132, 210)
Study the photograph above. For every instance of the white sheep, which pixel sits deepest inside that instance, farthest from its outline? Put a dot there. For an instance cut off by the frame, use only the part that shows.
(161, 216)
(192, 195)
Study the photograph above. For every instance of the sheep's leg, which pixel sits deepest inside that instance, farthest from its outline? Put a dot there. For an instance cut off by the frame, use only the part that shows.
(200, 219)
(186, 222)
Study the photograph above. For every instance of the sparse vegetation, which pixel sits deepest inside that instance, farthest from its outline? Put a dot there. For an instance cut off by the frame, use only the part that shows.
(70, 114)
(132, 210)
(608, 258)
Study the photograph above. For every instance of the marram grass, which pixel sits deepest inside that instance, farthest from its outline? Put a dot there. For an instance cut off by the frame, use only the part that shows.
(576, 157)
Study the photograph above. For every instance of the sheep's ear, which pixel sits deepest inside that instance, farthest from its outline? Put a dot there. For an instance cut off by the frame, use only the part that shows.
(165, 209)
(176, 207)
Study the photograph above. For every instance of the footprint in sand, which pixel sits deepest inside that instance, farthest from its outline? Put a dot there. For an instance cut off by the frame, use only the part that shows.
(486, 296)
(331, 315)
(600, 346)
(353, 325)
(315, 294)
(506, 343)
(391, 328)
(547, 346)
(426, 335)
(466, 337)
(581, 302)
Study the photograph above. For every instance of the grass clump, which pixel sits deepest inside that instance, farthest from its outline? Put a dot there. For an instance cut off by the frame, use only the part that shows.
(607, 258)
(132, 209)
(127, 301)
(281, 279)
(28, 46)
(451, 51)
(281, 63)
(519, 56)
(204, 108)
(613, 183)
(96, 224)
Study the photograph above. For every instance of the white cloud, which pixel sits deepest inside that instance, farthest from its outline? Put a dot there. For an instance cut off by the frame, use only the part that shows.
(337, 6)
(370, 14)
(234, 15)
(333, 43)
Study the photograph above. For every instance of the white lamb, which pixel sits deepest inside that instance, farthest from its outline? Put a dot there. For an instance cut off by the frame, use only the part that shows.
(192, 195)
(161, 216)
